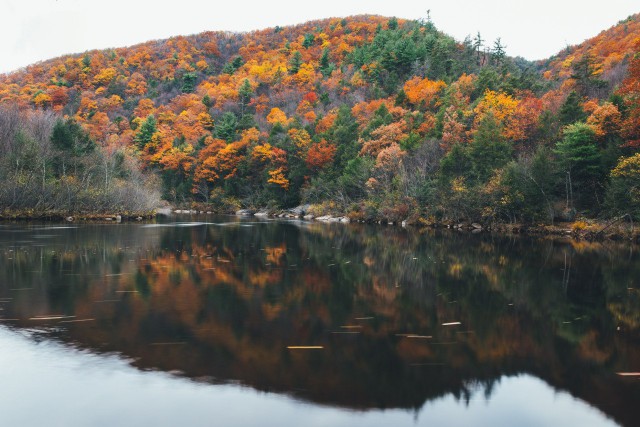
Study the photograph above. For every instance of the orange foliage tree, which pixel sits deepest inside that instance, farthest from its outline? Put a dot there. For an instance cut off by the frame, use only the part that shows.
(630, 91)
(606, 121)
(320, 155)
(423, 90)
(383, 137)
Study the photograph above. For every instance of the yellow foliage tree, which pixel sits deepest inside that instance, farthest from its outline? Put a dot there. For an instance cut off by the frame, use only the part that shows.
(105, 76)
(277, 177)
(277, 116)
(300, 138)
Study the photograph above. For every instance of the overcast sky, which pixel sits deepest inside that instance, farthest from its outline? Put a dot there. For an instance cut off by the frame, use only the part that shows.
(35, 30)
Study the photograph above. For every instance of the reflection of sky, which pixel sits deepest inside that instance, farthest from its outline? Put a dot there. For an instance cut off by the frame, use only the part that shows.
(46, 384)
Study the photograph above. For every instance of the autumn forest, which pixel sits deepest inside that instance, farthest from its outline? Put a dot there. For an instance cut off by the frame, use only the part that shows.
(372, 117)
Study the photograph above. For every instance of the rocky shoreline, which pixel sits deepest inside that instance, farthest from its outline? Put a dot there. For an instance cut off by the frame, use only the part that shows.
(584, 229)
(587, 229)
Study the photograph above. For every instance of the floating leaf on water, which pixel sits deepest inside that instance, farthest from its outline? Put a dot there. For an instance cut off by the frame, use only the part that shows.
(51, 317)
(168, 343)
(77, 321)
(305, 347)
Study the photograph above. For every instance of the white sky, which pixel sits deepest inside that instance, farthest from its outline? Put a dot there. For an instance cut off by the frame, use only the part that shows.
(35, 30)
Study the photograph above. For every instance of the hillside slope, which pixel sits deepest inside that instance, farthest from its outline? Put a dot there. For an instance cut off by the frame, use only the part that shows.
(377, 117)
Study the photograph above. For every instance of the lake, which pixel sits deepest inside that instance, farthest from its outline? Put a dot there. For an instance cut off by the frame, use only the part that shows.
(215, 320)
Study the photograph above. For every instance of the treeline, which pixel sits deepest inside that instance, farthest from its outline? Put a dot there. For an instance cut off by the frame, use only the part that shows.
(49, 167)
(372, 117)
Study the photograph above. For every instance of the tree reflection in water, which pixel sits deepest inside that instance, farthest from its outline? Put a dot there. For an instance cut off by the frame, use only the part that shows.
(400, 316)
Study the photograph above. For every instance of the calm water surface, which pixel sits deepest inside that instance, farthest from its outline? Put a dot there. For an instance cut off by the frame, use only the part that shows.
(241, 322)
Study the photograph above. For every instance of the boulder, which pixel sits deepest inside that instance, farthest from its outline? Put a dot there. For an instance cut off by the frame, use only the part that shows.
(244, 212)
(476, 226)
(299, 211)
(345, 220)
(261, 214)
(70, 219)
(308, 217)
(567, 215)
(118, 218)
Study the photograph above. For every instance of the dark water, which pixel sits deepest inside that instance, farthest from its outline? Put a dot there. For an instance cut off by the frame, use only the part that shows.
(194, 323)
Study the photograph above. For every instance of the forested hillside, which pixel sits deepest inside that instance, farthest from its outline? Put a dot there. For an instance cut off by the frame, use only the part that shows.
(368, 116)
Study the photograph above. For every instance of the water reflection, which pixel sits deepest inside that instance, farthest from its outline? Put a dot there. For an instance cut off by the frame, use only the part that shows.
(75, 388)
(395, 318)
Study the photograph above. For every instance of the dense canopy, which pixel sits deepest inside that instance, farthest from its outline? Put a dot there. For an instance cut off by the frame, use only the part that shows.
(376, 117)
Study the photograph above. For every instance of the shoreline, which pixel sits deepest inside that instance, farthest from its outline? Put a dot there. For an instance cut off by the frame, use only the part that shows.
(582, 229)
(77, 217)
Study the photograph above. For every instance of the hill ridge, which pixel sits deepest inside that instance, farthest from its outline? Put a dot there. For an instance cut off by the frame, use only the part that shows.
(337, 109)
